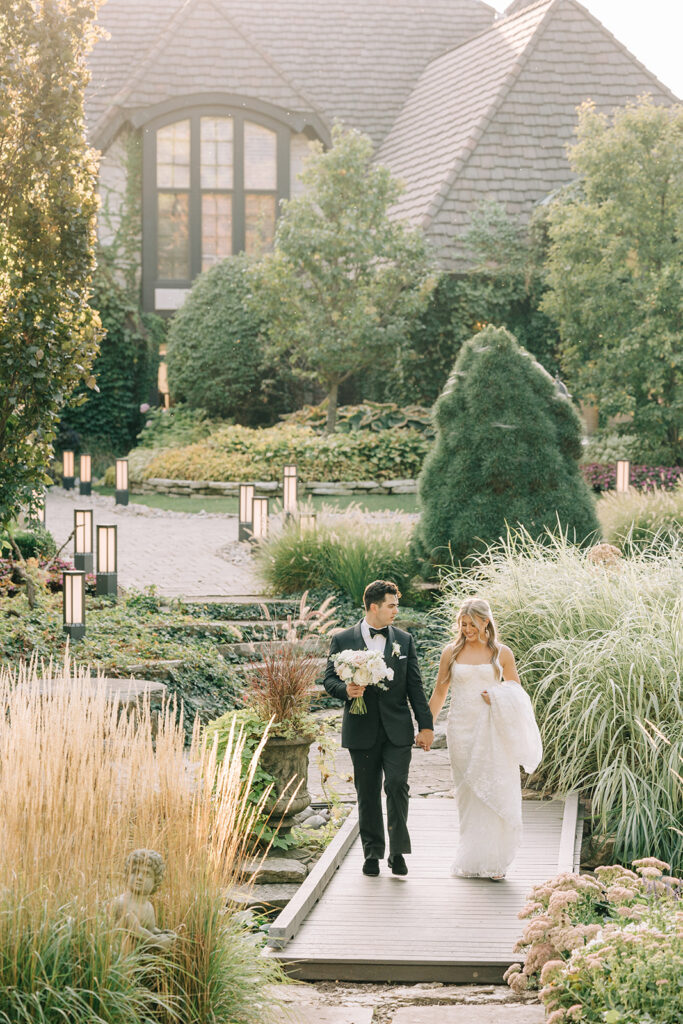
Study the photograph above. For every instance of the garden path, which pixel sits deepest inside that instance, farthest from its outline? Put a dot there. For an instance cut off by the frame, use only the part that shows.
(181, 554)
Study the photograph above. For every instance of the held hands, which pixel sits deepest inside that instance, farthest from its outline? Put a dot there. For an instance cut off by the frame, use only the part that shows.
(424, 738)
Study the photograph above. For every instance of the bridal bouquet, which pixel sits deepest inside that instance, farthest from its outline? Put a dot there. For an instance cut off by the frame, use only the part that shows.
(364, 668)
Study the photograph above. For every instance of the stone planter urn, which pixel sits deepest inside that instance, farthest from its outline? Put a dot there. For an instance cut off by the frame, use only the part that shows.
(287, 759)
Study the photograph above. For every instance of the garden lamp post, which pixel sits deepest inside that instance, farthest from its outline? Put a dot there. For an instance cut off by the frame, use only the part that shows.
(106, 561)
(289, 489)
(259, 529)
(246, 511)
(68, 470)
(83, 555)
(85, 475)
(306, 521)
(623, 476)
(73, 603)
(121, 495)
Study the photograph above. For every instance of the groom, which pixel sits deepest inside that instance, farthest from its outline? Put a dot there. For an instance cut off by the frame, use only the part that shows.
(380, 742)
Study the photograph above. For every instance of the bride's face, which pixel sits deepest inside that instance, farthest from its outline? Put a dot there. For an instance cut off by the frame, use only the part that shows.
(473, 630)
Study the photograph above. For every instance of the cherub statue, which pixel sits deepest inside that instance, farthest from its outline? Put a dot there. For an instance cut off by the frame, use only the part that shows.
(144, 870)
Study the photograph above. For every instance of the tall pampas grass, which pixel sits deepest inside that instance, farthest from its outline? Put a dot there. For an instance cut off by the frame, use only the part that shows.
(82, 783)
(600, 650)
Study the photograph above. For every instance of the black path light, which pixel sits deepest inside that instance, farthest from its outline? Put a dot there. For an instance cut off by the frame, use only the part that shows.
(246, 511)
(68, 470)
(121, 496)
(623, 476)
(85, 475)
(73, 603)
(289, 489)
(83, 553)
(259, 530)
(107, 579)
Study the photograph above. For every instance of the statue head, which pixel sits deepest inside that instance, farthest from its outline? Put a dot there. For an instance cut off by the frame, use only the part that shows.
(144, 871)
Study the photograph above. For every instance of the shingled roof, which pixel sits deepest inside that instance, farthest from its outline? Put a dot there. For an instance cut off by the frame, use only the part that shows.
(490, 120)
(353, 60)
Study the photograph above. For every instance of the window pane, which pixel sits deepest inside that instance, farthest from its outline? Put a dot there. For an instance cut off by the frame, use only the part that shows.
(173, 236)
(260, 157)
(216, 152)
(216, 228)
(173, 155)
(260, 223)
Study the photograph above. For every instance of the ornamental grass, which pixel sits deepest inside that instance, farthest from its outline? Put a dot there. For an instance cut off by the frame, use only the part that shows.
(81, 785)
(344, 552)
(600, 651)
(642, 519)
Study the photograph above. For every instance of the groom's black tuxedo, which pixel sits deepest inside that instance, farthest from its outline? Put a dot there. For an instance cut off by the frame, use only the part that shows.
(380, 742)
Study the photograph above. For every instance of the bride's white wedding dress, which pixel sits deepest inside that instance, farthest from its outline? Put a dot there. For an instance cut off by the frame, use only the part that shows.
(486, 745)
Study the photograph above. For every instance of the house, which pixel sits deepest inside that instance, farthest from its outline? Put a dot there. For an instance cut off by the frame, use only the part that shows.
(204, 109)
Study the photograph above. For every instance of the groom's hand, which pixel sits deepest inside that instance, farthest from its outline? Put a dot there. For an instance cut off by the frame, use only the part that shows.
(424, 738)
(354, 690)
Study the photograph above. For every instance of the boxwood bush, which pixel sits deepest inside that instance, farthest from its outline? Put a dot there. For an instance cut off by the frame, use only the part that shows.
(240, 453)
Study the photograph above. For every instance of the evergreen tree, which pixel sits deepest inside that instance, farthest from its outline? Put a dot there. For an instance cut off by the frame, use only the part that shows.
(506, 453)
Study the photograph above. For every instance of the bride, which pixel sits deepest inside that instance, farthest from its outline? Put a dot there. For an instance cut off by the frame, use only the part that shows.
(491, 730)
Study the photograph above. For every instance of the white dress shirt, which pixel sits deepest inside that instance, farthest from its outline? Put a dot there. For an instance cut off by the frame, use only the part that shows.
(373, 643)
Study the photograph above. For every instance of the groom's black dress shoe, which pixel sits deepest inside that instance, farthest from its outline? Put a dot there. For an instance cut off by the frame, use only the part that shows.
(397, 864)
(371, 866)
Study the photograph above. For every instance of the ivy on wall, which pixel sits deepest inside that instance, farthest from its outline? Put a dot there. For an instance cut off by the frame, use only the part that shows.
(107, 421)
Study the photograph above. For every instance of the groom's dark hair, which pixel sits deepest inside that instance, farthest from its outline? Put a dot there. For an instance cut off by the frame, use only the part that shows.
(376, 591)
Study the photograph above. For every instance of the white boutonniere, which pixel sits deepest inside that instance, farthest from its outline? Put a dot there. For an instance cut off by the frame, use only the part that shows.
(396, 650)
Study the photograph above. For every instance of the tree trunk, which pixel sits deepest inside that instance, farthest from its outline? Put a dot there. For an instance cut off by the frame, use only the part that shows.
(331, 424)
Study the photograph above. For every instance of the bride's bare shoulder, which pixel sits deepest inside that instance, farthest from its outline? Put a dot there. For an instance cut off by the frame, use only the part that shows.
(449, 649)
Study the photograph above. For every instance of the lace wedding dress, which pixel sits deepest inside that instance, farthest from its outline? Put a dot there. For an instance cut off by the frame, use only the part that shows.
(486, 745)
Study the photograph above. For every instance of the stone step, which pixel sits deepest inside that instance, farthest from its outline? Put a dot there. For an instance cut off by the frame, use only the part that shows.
(491, 1014)
(275, 871)
(156, 670)
(259, 648)
(274, 894)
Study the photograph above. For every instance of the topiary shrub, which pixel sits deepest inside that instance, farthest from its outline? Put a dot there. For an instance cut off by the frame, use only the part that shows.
(215, 356)
(506, 453)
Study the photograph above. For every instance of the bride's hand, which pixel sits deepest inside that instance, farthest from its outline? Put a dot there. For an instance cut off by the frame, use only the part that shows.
(485, 695)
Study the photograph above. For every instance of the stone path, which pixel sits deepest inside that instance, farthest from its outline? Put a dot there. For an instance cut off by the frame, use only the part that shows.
(432, 1003)
(182, 554)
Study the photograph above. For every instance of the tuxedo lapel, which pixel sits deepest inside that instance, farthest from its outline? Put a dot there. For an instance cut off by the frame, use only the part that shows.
(389, 646)
(358, 641)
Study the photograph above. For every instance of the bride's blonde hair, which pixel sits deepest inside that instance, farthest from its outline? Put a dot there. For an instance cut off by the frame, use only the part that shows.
(479, 611)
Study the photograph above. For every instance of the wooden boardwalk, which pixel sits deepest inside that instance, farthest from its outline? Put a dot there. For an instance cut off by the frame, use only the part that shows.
(428, 926)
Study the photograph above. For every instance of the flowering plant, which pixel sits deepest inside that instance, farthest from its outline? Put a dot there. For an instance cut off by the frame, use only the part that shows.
(364, 668)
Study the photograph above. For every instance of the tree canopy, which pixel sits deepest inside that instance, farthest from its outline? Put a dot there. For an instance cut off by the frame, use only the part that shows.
(344, 280)
(615, 269)
(506, 453)
(48, 333)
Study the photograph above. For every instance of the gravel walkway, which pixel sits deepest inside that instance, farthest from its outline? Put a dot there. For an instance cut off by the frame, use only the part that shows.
(182, 554)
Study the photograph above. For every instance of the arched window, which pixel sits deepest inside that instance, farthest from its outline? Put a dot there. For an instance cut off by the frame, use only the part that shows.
(212, 182)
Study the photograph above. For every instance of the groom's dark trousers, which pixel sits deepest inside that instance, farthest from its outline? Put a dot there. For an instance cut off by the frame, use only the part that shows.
(380, 742)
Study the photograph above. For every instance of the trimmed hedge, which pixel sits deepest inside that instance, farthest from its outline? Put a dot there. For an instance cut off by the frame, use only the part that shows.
(240, 453)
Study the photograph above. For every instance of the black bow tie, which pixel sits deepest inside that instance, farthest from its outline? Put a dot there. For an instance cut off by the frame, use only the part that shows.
(382, 632)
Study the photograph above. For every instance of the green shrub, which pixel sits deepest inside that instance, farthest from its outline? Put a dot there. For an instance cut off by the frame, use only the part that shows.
(238, 453)
(608, 448)
(37, 542)
(215, 355)
(641, 519)
(506, 452)
(125, 370)
(343, 552)
(599, 649)
(377, 416)
(174, 427)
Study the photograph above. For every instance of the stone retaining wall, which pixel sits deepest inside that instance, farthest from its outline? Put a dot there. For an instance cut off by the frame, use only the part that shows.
(273, 489)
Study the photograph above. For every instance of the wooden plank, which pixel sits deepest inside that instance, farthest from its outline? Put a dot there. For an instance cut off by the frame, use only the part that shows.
(287, 923)
(565, 855)
(428, 926)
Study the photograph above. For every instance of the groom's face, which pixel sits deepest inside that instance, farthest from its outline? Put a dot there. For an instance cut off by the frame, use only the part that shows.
(384, 614)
